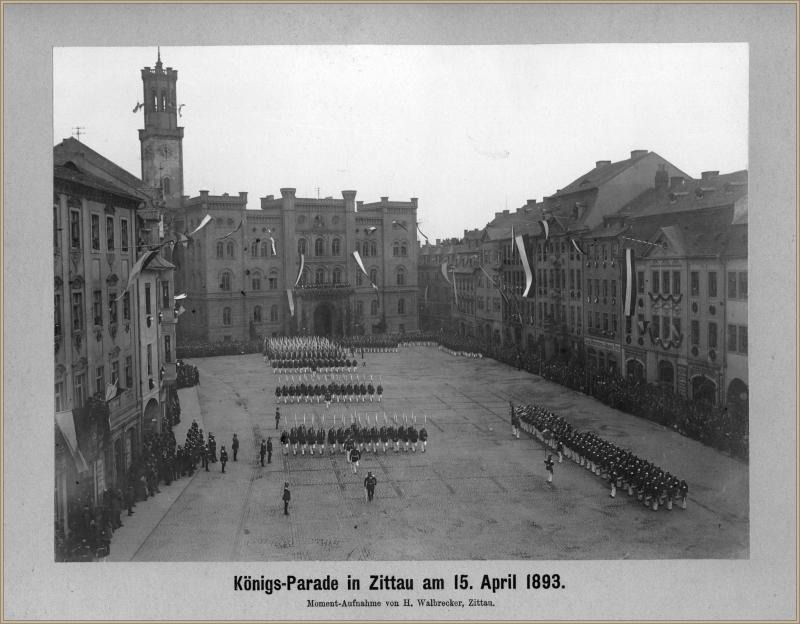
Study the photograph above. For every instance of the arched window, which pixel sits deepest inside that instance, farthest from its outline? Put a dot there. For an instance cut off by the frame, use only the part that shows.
(403, 250)
(225, 281)
(365, 249)
(336, 247)
(256, 281)
(373, 248)
(301, 246)
(165, 185)
(254, 249)
(359, 278)
(401, 306)
(373, 276)
(257, 314)
(265, 250)
(359, 308)
(373, 307)
(396, 249)
(273, 280)
(226, 316)
(230, 249)
(154, 99)
(358, 246)
(319, 276)
(401, 276)
(337, 275)
(163, 100)
(319, 247)
(273, 313)
(220, 250)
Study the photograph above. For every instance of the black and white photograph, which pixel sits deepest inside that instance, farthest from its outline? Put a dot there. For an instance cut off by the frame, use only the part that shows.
(383, 326)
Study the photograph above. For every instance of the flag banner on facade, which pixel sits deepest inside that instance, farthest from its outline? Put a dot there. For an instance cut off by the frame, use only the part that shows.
(426, 294)
(232, 232)
(512, 243)
(423, 235)
(455, 291)
(371, 229)
(141, 263)
(66, 424)
(111, 391)
(179, 297)
(375, 286)
(577, 246)
(357, 256)
(630, 282)
(302, 266)
(179, 310)
(674, 334)
(525, 264)
(272, 242)
(206, 220)
(545, 228)
(400, 225)
(161, 228)
(291, 301)
(183, 240)
(444, 271)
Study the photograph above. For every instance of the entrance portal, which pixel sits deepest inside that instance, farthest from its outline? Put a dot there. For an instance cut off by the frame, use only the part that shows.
(323, 320)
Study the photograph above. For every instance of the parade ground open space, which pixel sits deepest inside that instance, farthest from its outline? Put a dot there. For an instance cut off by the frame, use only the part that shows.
(476, 493)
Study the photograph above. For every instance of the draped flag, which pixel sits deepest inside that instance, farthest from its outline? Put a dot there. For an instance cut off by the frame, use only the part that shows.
(272, 242)
(400, 225)
(291, 301)
(371, 229)
(302, 266)
(236, 229)
(512, 243)
(137, 268)
(183, 240)
(426, 294)
(179, 310)
(486, 273)
(673, 332)
(111, 390)
(630, 282)
(423, 235)
(179, 297)
(444, 271)
(66, 423)
(357, 256)
(455, 292)
(577, 246)
(206, 220)
(525, 264)
(161, 228)
(545, 228)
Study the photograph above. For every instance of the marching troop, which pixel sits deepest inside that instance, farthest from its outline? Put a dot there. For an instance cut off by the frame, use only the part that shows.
(650, 484)
(344, 390)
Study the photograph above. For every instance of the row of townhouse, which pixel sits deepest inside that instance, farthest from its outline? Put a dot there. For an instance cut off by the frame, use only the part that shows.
(688, 330)
(111, 341)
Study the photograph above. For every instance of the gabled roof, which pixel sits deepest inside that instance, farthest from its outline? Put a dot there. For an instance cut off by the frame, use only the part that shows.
(707, 234)
(74, 150)
(599, 175)
(70, 172)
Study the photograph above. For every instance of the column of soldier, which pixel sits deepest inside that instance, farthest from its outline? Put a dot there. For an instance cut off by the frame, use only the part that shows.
(316, 388)
(363, 436)
(650, 484)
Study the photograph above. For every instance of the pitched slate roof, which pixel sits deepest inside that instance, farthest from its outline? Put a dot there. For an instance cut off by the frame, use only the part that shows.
(598, 176)
(70, 172)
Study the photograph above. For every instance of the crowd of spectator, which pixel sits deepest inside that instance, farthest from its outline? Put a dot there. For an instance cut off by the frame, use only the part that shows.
(187, 374)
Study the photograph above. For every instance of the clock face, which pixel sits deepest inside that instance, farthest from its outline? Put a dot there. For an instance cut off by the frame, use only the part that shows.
(165, 151)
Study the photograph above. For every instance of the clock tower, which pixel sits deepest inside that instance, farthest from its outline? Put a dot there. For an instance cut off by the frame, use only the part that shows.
(161, 139)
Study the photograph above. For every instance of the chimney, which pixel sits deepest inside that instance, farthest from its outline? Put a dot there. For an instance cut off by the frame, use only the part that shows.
(288, 192)
(270, 197)
(602, 163)
(638, 153)
(530, 203)
(707, 175)
(505, 212)
(662, 179)
(676, 181)
(384, 200)
(414, 202)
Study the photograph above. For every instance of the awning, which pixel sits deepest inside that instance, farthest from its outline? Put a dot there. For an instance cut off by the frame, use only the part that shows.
(66, 424)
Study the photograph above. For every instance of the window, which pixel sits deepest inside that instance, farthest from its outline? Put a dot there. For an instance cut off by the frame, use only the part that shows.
(110, 233)
(226, 316)
(273, 283)
(230, 249)
(742, 339)
(319, 247)
(605, 252)
(80, 390)
(666, 334)
(614, 322)
(605, 321)
(220, 250)
(396, 249)
(129, 372)
(254, 249)
(165, 185)
(147, 298)
(126, 306)
(97, 307)
(319, 276)
(732, 283)
(96, 232)
(676, 323)
(60, 398)
(165, 302)
(301, 246)
(401, 306)
(124, 234)
(256, 281)
(665, 282)
(605, 286)
(337, 275)
(640, 282)
(266, 252)
(56, 227)
(225, 281)
(695, 332)
(358, 246)
(732, 337)
(590, 321)
(743, 285)
(150, 359)
(373, 248)
(712, 283)
(613, 288)
(373, 276)
(75, 229)
(359, 278)
(100, 380)
(656, 281)
(167, 348)
(336, 247)
(273, 313)
(712, 335)
(655, 323)
(694, 284)
(257, 314)
(112, 308)
(360, 308)
(401, 276)
(373, 307)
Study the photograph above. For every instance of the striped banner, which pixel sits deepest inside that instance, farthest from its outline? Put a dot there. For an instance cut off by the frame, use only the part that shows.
(272, 242)
(525, 264)
(444, 271)
(302, 266)
(545, 229)
(357, 256)
(291, 301)
(577, 246)
(206, 220)
(630, 282)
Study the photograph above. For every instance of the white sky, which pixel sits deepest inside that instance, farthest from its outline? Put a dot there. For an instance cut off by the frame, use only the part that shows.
(469, 130)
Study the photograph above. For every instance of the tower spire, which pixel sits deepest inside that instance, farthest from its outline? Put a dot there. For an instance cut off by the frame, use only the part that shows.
(158, 62)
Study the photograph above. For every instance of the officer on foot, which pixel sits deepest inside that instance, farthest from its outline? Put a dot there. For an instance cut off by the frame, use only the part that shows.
(263, 451)
(235, 446)
(269, 451)
(369, 485)
(277, 416)
(355, 455)
(223, 457)
(548, 466)
(287, 496)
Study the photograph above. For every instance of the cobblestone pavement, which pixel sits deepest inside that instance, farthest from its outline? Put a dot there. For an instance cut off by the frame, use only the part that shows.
(477, 493)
